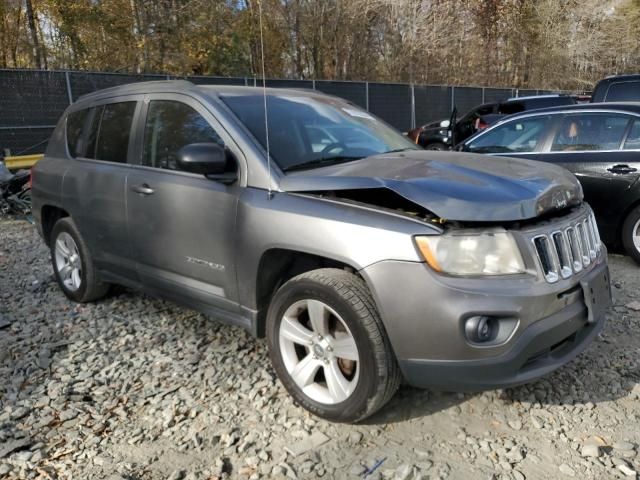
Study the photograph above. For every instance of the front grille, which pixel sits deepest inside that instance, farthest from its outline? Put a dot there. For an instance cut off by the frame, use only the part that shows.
(565, 251)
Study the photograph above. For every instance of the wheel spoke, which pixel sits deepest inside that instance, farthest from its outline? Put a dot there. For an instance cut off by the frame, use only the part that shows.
(339, 387)
(293, 330)
(62, 248)
(65, 272)
(304, 372)
(318, 316)
(345, 347)
(75, 277)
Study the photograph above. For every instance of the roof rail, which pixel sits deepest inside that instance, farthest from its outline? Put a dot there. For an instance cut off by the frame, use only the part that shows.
(135, 87)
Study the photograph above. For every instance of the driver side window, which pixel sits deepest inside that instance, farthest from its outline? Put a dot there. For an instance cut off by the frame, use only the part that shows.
(516, 136)
(171, 125)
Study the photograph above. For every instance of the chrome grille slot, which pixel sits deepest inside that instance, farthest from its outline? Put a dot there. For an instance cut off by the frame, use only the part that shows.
(575, 248)
(561, 245)
(547, 257)
(588, 225)
(584, 241)
(589, 235)
(564, 252)
(596, 233)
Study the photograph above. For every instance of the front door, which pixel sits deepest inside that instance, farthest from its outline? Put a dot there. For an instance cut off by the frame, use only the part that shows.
(182, 225)
(603, 151)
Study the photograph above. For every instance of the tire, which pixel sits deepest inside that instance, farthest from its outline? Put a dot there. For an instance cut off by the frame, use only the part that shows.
(68, 249)
(364, 379)
(631, 234)
(435, 146)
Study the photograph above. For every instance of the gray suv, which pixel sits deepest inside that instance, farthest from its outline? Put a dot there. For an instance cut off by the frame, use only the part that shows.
(362, 258)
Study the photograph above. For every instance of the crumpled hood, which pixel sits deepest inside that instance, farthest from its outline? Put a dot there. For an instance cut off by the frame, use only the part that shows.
(452, 185)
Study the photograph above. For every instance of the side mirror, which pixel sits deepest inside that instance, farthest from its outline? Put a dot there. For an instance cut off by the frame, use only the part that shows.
(208, 159)
(445, 123)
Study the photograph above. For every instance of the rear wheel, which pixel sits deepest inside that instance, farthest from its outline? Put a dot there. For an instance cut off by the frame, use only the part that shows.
(328, 346)
(73, 265)
(631, 234)
(435, 146)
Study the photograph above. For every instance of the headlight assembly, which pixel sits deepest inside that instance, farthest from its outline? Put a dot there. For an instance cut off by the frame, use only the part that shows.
(488, 253)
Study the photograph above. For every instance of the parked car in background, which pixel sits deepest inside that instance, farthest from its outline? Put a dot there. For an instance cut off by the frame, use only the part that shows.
(617, 88)
(361, 257)
(438, 135)
(599, 143)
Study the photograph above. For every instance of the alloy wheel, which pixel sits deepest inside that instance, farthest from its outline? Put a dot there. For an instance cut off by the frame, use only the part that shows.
(319, 351)
(68, 262)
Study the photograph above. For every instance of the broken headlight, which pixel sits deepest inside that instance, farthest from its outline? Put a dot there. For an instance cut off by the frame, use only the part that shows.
(488, 253)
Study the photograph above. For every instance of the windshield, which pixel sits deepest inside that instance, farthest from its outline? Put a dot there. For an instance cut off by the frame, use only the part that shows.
(308, 132)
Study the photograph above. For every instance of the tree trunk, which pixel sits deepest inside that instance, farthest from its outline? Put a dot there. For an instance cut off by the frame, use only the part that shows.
(33, 30)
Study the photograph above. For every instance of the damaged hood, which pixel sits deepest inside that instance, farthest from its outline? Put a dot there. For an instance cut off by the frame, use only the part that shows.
(453, 186)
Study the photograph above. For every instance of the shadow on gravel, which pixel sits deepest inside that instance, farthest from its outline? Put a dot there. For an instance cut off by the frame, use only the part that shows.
(410, 403)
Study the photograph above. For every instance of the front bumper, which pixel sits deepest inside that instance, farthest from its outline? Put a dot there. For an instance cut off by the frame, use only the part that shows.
(424, 316)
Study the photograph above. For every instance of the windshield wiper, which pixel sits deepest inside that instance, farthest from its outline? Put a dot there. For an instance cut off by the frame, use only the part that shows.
(320, 162)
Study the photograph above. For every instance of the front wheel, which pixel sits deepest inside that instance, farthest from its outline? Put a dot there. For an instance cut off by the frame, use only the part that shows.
(329, 347)
(631, 234)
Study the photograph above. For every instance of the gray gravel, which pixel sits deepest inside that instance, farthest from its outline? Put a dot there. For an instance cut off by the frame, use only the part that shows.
(138, 388)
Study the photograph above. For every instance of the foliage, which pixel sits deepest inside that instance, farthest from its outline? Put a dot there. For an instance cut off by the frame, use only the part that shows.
(522, 43)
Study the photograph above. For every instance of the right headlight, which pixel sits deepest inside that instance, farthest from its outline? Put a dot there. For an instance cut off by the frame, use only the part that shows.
(487, 253)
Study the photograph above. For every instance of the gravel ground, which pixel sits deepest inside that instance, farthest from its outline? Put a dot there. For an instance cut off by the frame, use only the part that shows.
(137, 388)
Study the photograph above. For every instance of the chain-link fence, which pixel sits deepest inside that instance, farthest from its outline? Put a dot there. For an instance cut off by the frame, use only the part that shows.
(32, 101)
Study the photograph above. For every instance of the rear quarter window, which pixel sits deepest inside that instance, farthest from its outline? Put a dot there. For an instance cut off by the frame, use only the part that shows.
(623, 92)
(75, 127)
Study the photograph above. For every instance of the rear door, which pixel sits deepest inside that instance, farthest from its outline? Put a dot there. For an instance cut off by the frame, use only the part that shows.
(602, 150)
(181, 224)
(94, 189)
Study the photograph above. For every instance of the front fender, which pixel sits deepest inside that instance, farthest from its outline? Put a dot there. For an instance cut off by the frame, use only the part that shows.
(354, 235)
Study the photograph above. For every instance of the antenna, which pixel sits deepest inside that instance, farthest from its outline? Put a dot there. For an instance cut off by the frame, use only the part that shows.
(264, 96)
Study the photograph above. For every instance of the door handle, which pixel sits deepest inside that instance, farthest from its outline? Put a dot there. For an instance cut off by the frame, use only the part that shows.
(143, 189)
(622, 169)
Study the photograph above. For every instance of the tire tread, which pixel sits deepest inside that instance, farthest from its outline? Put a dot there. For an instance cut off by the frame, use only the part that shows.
(627, 233)
(353, 289)
(94, 288)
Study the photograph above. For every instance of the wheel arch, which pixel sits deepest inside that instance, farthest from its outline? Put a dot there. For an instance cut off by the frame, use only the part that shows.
(277, 266)
(49, 215)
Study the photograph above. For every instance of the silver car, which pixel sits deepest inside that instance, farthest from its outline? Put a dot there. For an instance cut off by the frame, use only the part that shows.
(363, 259)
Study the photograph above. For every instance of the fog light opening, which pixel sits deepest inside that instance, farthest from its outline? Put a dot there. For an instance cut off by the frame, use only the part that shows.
(481, 329)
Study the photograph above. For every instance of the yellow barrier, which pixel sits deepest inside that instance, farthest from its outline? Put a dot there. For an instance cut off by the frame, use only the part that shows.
(22, 161)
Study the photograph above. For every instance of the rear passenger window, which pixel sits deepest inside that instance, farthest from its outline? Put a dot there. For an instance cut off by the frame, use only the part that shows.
(170, 126)
(623, 92)
(590, 132)
(75, 126)
(110, 131)
(633, 139)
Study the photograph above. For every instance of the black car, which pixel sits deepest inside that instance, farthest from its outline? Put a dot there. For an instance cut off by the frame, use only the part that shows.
(599, 143)
(437, 135)
(617, 88)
